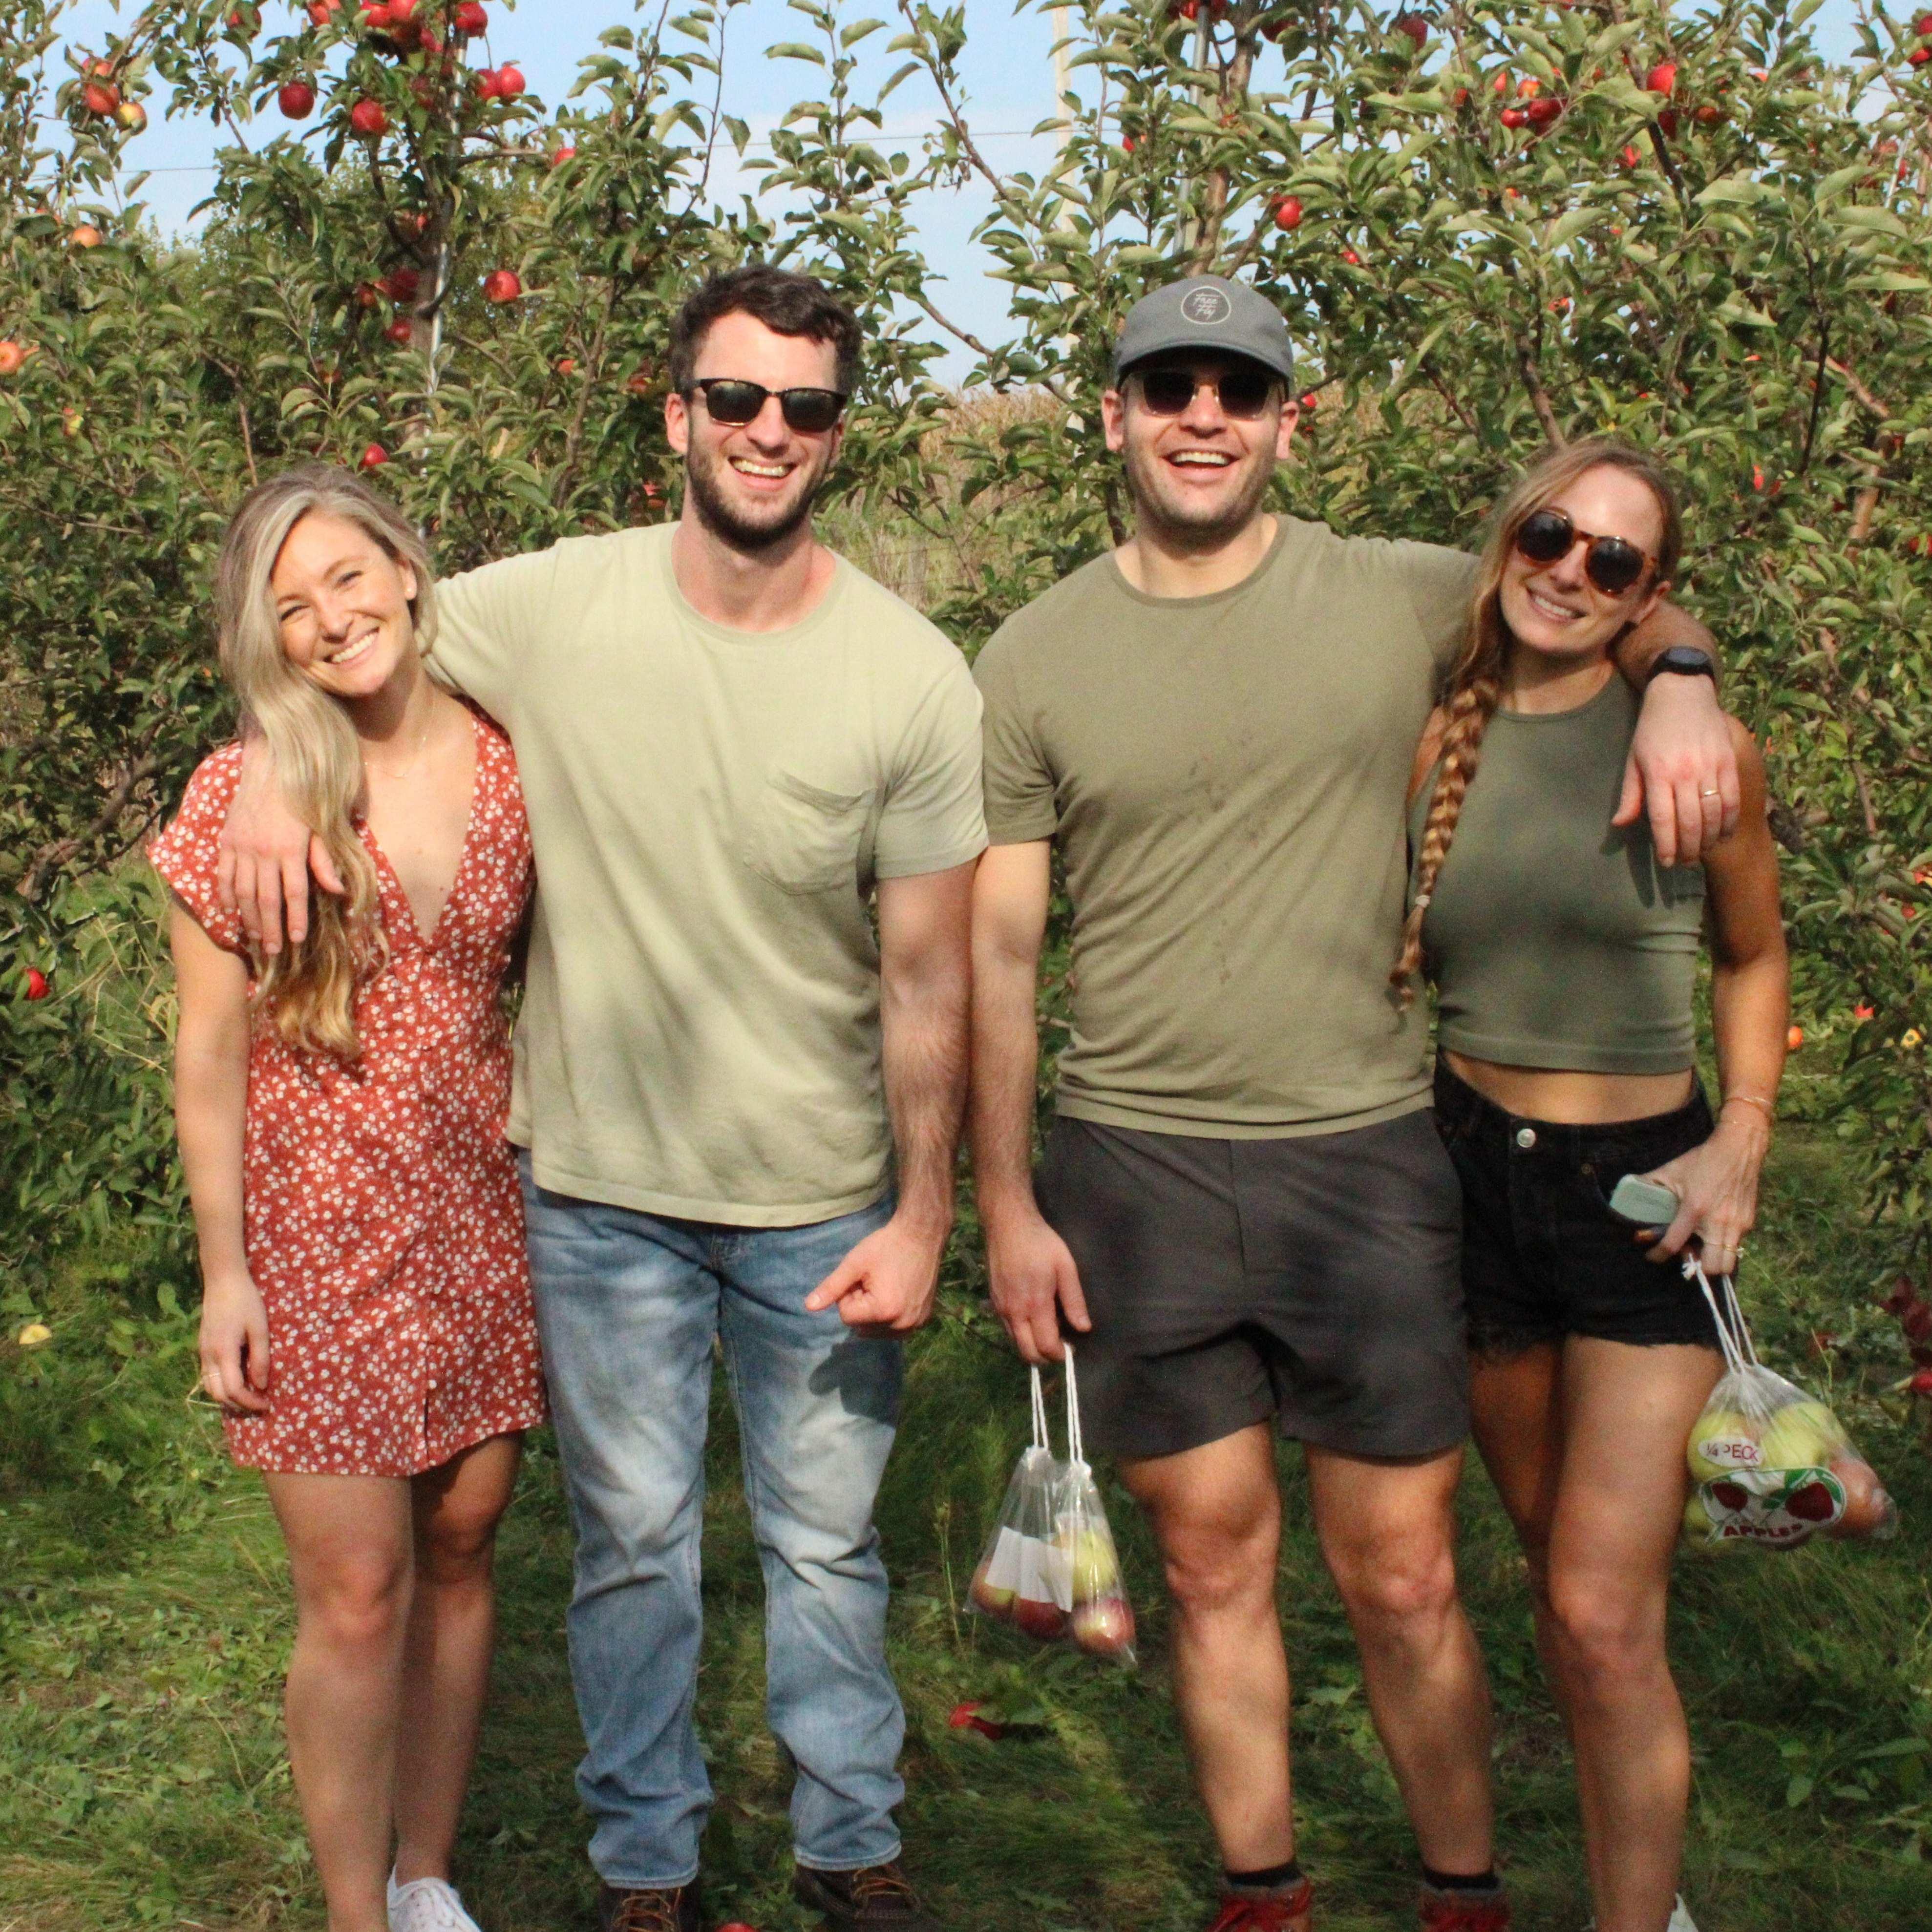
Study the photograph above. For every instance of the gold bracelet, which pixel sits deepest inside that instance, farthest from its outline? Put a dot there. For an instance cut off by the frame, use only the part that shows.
(1749, 1100)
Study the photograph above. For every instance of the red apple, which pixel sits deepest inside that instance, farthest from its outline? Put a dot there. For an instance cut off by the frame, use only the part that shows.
(1104, 1627)
(375, 15)
(1502, 82)
(86, 236)
(36, 983)
(1544, 111)
(402, 285)
(1353, 260)
(1794, 1038)
(1528, 88)
(132, 115)
(1630, 158)
(566, 365)
(1662, 79)
(1287, 213)
(1922, 26)
(370, 119)
(1310, 402)
(992, 1602)
(102, 98)
(1513, 117)
(559, 156)
(1413, 24)
(398, 332)
(501, 285)
(1920, 1383)
(1667, 122)
(1919, 56)
(402, 12)
(12, 356)
(510, 82)
(374, 457)
(321, 12)
(1037, 1618)
(488, 83)
(297, 99)
(470, 18)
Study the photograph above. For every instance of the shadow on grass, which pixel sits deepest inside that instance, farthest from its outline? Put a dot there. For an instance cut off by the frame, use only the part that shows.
(144, 1620)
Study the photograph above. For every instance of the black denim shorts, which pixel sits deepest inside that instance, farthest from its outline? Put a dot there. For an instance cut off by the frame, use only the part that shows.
(1543, 1255)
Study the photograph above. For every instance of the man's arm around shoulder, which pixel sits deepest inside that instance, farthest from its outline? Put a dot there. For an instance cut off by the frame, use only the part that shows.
(1683, 766)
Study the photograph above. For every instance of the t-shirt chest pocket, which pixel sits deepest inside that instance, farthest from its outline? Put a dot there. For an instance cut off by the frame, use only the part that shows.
(804, 838)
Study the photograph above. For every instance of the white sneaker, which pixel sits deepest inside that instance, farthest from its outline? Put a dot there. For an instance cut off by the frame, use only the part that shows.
(1680, 1920)
(428, 1905)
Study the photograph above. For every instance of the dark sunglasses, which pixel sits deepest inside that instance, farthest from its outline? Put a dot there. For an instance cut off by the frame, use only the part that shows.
(1613, 564)
(730, 400)
(1243, 390)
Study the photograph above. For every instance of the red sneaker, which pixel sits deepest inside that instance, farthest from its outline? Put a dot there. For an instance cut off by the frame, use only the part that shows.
(1265, 1911)
(1463, 1912)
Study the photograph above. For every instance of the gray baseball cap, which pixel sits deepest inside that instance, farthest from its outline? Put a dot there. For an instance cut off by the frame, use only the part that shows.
(1205, 312)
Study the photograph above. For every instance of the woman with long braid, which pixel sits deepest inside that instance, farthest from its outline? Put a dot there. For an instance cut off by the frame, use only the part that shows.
(1564, 958)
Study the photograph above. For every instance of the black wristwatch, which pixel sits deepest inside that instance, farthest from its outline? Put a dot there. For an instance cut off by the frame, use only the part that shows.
(1685, 661)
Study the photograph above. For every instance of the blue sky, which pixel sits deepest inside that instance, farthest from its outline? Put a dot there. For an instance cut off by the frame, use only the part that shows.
(1008, 67)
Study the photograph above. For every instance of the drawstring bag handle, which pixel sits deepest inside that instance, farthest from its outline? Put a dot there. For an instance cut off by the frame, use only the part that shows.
(1076, 1445)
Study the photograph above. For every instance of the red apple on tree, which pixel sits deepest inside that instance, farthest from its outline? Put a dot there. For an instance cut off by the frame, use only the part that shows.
(501, 285)
(1287, 213)
(1544, 111)
(403, 284)
(1513, 117)
(510, 82)
(36, 983)
(471, 17)
(86, 236)
(370, 119)
(374, 457)
(559, 155)
(398, 332)
(1662, 79)
(1413, 24)
(102, 98)
(13, 357)
(132, 115)
(297, 99)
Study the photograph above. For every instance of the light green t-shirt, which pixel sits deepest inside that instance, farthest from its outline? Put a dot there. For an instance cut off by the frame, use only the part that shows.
(710, 809)
(1226, 777)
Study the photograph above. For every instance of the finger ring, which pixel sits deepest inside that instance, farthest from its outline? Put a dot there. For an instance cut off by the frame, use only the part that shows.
(1710, 791)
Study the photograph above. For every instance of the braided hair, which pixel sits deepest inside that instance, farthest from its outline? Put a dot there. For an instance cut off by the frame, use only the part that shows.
(1474, 685)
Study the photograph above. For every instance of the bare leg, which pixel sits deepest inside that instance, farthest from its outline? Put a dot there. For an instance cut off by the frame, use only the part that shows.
(1627, 1413)
(446, 1661)
(348, 1539)
(1516, 1401)
(1216, 1512)
(1388, 1533)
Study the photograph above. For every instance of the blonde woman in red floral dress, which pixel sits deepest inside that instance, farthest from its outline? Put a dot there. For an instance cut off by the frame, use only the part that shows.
(366, 1324)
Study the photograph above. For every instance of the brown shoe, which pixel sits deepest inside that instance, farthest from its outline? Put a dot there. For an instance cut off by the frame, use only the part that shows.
(653, 1909)
(875, 1898)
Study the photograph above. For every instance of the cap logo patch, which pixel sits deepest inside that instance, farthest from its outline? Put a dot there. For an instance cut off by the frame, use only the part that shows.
(1206, 305)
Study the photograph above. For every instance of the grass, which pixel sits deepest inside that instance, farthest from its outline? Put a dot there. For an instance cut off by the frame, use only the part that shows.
(144, 1618)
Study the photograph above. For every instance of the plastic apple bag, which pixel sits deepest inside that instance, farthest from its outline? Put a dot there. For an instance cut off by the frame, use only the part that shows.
(1102, 1622)
(1023, 1577)
(1770, 1466)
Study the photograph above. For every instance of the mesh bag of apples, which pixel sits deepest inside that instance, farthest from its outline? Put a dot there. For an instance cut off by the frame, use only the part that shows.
(1771, 1466)
(1049, 1568)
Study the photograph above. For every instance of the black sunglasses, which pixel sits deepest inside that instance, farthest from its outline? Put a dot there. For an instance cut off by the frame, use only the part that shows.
(1243, 390)
(731, 400)
(1613, 564)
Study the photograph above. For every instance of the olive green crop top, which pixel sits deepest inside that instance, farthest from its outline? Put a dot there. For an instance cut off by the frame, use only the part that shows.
(1554, 938)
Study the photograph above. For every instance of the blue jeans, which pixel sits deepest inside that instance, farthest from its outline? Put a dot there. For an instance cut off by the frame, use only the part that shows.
(629, 1305)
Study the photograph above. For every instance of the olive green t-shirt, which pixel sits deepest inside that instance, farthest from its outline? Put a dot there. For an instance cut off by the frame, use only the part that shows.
(709, 809)
(1226, 777)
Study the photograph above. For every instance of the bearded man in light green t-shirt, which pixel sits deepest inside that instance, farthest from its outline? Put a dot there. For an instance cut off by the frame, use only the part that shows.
(1244, 1212)
(738, 1108)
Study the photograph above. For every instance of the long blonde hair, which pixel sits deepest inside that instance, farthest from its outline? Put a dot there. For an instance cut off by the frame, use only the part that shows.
(1474, 684)
(310, 988)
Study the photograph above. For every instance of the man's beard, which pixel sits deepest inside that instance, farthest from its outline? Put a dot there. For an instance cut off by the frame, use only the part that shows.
(727, 522)
(1200, 531)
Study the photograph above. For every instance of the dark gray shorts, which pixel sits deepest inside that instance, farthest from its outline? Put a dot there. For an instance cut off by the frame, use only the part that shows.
(1316, 1279)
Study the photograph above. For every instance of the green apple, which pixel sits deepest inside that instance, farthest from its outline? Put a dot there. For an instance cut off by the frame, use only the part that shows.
(1096, 1571)
(1801, 1435)
(1724, 1439)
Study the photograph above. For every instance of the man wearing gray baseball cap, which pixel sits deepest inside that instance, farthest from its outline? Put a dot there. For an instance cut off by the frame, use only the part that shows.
(1244, 1213)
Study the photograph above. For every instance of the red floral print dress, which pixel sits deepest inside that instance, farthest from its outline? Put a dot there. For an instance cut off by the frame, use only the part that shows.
(382, 1215)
